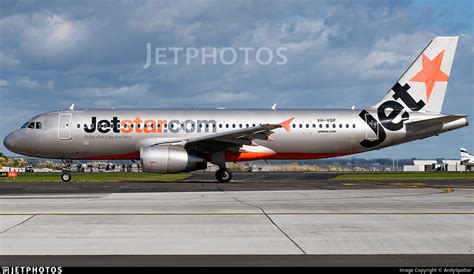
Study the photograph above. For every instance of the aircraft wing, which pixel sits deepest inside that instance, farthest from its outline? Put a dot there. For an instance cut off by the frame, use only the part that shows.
(435, 121)
(234, 138)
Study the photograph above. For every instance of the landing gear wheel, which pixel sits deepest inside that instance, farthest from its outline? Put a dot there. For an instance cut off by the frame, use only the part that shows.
(66, 177)
(224, 175)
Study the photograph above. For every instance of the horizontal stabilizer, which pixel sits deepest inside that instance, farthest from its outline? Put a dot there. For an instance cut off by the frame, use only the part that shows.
(435, 121)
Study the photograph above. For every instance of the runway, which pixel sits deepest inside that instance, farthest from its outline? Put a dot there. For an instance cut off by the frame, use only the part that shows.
(206, 182)
(420, 221)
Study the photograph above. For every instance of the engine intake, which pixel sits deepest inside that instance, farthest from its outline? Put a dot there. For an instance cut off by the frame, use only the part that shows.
(170, 159)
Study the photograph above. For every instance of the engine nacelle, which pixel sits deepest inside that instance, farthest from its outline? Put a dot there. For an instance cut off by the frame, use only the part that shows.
(170, 159)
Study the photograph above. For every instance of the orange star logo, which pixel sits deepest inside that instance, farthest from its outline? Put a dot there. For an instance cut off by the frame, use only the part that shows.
(431, 73)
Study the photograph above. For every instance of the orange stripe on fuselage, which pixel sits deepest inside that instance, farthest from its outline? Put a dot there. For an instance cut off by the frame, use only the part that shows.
(249, 156)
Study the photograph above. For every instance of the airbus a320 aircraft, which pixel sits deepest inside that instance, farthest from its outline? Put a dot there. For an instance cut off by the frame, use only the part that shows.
(172, 141)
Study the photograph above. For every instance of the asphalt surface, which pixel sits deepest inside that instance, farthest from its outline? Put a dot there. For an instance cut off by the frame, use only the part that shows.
(244, 260)
(436, 212)
(205, 182)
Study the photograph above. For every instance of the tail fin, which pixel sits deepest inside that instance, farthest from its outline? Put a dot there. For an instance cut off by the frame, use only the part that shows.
(464, 154)
(425, 81)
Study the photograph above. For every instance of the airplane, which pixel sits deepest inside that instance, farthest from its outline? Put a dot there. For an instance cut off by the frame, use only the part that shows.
(180, 140)
(466, 158)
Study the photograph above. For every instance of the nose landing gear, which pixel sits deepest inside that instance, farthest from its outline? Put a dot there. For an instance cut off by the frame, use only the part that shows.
(66, 175)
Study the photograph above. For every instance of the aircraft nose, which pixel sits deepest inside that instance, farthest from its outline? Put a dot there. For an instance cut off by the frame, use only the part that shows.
(9, 142)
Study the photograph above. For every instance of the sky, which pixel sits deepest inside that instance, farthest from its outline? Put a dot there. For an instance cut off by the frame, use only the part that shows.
(339, 54)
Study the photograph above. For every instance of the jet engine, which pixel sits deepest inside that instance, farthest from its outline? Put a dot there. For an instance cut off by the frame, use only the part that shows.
(170, 159)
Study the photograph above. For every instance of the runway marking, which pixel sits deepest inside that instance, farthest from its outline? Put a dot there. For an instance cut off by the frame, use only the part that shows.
(414, 185)
(234, 213)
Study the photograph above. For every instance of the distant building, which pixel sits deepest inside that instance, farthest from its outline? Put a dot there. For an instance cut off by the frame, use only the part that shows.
(433, 165)
(421, 166)
(454, 165)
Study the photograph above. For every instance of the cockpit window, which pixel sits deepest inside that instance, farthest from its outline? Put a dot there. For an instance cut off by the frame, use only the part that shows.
(38, 125)
(25, 124)
(31, 125)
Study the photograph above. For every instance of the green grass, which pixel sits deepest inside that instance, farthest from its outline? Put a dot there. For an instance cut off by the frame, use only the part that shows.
(97, 177)
(407, 176)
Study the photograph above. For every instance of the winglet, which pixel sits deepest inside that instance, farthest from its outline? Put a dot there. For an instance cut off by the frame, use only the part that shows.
(286, 124)
(71, 107)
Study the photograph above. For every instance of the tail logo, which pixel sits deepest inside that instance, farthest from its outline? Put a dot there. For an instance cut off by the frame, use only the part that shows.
(431, 73)
(388, 121)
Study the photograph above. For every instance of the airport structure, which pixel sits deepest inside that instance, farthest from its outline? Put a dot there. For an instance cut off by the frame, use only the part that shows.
(466, 163)
(434, 165)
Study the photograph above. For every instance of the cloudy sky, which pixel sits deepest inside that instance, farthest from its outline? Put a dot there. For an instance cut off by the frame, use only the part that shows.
(340, 53)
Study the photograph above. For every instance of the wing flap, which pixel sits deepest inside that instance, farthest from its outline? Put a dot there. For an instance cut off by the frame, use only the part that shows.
(234, 139)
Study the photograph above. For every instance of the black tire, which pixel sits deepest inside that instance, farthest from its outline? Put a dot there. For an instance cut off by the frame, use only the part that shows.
(224, 175)
(66, 177)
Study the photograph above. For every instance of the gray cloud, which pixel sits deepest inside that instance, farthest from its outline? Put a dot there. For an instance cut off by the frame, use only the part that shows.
(339, 54)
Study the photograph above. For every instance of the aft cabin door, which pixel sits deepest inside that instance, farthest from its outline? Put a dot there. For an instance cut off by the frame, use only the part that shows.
(64, 126)
(372, 132)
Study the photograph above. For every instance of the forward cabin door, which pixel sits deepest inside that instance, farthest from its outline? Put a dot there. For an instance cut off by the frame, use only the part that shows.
(64, 126)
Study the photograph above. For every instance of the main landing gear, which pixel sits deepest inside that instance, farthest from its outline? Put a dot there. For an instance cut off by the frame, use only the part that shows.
(224, 175)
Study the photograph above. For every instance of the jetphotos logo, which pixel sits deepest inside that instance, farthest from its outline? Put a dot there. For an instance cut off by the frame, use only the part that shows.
(147, 126)
(429, 74)
(214, 56)
(31, 270)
